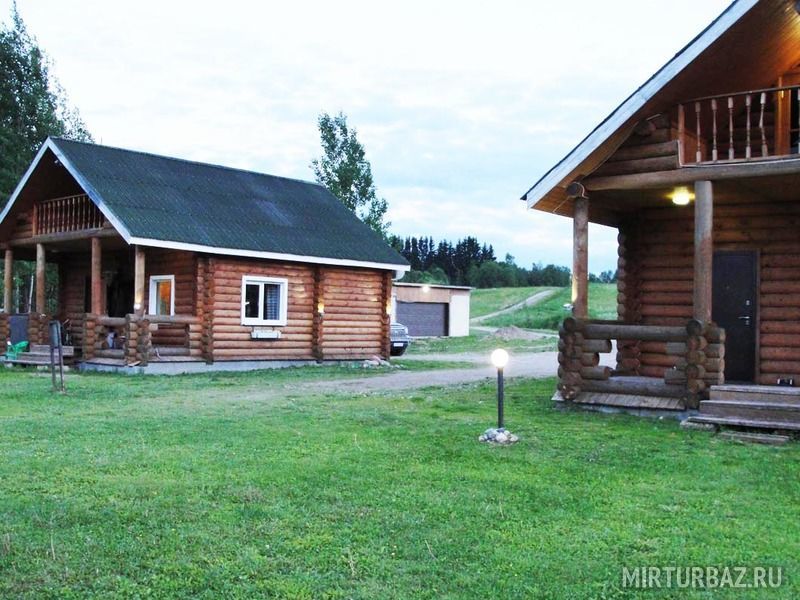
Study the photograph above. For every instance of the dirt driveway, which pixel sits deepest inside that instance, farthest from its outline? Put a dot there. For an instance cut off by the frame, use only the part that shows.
(539, 364)
(528, 364)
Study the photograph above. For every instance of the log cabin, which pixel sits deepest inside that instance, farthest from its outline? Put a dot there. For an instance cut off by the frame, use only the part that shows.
(699, 171)
(169, 265)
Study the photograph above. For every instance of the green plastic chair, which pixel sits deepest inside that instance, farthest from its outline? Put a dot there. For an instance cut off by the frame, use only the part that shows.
(15, 350)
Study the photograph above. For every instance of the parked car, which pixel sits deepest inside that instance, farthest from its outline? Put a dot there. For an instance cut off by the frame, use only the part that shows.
(400, 339)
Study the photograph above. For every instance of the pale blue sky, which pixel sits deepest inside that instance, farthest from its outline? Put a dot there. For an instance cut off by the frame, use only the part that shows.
(460, 105)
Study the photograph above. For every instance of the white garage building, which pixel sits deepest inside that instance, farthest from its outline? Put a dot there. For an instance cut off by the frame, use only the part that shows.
(431, 309)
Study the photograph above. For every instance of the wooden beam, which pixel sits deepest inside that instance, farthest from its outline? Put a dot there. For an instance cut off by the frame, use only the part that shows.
(97, 282)
(41, 289)
(580, 258)
(8, 280)
(68, 236)
(703, 249)
(318, 306)
(692, 173)
(138, 281)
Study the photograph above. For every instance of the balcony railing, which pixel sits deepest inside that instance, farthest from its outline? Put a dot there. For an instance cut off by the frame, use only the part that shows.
(743, 126)
(71, 213)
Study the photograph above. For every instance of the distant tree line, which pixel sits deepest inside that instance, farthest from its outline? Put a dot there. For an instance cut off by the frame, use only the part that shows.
(469, 262)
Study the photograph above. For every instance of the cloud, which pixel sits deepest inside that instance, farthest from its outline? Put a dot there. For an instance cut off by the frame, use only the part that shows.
(460, 105)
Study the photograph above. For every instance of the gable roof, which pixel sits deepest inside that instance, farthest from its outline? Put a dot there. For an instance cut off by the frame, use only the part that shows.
(627, 114)
(167, 202)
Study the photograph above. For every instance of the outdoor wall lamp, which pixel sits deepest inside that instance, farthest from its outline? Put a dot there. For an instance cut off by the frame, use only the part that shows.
(426, 288)
(681, 196)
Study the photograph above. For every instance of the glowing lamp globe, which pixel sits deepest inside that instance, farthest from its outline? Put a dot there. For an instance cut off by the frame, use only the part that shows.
(499, 358)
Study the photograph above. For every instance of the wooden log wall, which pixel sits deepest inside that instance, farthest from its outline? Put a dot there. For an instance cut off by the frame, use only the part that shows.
(696, 349)
(183, 265)
(203, 307)
(225, 336)
(73, 304)
(652, 146)
(5, 332)
(664, 250)
(628, 298)
(354, 325)
(23, 228)
(89, 336)
(38, 328)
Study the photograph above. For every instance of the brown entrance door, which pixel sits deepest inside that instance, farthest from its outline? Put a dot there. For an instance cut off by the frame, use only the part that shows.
(735, 288)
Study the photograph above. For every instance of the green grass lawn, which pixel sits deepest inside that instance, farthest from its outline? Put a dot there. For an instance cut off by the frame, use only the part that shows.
(477, 341)
(550, 313)
(485, 301)
(242, 486)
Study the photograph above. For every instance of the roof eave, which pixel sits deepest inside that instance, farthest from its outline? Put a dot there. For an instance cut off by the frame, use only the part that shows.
(321, 260)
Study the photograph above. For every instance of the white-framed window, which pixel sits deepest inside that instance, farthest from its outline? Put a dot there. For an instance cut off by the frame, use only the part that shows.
(162, 295)
(264, 300)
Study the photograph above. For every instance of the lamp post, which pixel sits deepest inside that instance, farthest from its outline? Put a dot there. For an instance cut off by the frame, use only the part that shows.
(500, 360)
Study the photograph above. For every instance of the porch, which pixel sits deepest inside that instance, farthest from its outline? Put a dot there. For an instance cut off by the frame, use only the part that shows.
(692, 359)
(692, 280)
(120, 304)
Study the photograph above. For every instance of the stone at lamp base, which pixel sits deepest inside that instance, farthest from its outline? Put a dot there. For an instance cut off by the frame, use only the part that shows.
(500, 436)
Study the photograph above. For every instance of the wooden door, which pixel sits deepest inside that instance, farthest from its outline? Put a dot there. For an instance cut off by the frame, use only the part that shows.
(735, 292)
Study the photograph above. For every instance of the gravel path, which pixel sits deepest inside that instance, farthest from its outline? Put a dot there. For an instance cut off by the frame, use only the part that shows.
(528, 364)
(530, 301)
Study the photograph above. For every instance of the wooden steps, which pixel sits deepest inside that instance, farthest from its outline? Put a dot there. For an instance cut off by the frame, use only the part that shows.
(751, 407)
(39, 355)
(749, 437)
(747, 423)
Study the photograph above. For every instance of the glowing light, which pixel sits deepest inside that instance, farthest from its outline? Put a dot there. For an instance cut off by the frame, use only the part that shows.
(681, 196)
(426, 289)
(499, 358)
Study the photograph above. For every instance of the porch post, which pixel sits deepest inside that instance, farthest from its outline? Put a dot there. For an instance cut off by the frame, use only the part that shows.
(41, 289)
(703, 249)
(580, 251)
(97, 287)
(8, 280)
(138, 281)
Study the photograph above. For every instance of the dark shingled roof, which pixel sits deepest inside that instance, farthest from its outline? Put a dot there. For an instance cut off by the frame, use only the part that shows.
(174, 200)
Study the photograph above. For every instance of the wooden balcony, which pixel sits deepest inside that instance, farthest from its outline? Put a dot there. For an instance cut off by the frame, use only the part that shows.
(68, 214)
(755, 125)
(737, 135)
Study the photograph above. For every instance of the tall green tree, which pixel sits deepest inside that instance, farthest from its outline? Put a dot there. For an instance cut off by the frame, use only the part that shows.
(33, 104)
(344, 169)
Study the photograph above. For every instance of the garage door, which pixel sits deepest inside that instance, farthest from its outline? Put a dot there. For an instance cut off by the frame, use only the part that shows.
(423, 318)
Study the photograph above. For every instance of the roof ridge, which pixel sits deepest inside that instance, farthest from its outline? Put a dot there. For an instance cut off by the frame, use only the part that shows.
(57, 139)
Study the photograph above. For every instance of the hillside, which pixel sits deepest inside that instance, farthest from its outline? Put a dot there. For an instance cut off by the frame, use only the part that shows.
(548, 314)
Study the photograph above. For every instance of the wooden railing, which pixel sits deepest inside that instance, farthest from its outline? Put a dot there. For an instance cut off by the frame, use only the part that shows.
(135, 337)
(71, 213)
(698, 350)
(743, 126)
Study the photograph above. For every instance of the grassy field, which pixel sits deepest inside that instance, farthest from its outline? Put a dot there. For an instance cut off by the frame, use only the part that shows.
(548, 314)
(485, 301)
(477, 341)
(248, 485)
